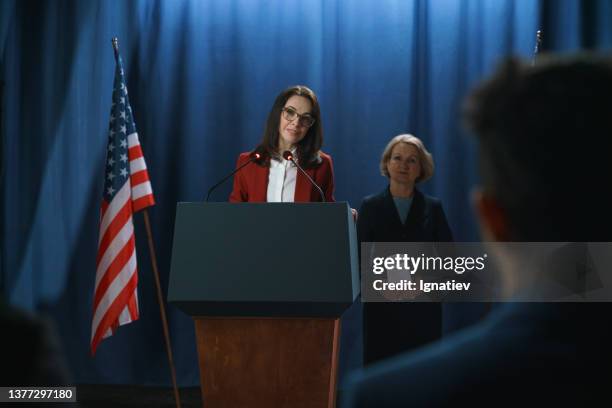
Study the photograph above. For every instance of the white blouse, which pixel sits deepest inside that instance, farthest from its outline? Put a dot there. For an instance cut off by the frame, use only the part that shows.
(281, 181)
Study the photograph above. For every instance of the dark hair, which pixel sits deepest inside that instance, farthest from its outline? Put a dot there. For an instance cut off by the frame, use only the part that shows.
(543, 132)
(308, 148)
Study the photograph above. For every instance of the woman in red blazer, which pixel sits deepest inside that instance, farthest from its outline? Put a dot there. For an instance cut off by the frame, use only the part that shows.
(294, 124)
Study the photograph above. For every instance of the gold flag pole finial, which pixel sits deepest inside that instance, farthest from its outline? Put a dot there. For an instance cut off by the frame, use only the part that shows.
(538, 45)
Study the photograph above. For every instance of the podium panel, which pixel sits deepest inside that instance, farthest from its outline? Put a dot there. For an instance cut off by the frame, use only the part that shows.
(266, 363)
(248, 259)
(266, 284)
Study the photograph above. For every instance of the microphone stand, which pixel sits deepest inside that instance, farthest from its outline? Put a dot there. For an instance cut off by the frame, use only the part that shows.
(253, 158)
(287, 155)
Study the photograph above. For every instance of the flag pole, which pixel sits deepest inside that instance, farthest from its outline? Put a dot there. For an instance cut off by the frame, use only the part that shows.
(160, 299)
(162, 310)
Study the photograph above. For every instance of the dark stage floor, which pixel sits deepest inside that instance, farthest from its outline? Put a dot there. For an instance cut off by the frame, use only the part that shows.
(117, 396)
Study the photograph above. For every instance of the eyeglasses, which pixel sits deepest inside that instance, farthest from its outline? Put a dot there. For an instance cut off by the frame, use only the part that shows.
(305, 120)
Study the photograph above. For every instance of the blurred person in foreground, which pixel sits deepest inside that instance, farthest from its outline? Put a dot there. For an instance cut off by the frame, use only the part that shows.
(31, 351)
(545, 170)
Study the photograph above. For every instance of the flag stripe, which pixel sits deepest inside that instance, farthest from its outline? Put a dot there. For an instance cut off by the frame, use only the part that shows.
(116, 266)
(139, 177)
(125, 316)
(143, 202)
(122, 238)
(135, 152)
(114, 290)
(133, 140)
(113, 229)
(141, 190)
(109, 319)
(137, 165)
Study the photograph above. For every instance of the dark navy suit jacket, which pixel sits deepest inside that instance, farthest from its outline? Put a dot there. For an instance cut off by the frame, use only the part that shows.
(379, 220)
(392, 328)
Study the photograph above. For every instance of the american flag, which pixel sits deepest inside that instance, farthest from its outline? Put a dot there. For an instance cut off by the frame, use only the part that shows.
(126, 190)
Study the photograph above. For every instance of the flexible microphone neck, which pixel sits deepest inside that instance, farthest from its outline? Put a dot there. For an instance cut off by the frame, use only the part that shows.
(287, 155)
(253, 157)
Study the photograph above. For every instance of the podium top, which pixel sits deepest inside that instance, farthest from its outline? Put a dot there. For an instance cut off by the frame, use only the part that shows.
(264, 259)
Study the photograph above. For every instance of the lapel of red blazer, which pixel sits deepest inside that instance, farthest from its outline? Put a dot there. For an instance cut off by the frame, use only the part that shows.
(303, 188)
(259, 184)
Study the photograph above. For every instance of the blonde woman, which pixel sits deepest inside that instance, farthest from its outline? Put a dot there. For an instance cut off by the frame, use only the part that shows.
(401, 213)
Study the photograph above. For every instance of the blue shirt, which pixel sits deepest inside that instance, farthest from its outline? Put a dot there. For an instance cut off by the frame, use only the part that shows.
(403, 207)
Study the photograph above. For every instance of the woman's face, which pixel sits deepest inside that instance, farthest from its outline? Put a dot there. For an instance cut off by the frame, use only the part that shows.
(291, 132)
(403, 165)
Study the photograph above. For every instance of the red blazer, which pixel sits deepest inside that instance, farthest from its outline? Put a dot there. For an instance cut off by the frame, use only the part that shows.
(251, 183)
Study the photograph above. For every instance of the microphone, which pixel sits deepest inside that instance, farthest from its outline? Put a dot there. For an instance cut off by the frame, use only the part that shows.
(256, 156)
(287, 155)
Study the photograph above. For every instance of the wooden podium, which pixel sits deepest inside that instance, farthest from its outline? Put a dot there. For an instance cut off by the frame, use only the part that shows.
(266, 285)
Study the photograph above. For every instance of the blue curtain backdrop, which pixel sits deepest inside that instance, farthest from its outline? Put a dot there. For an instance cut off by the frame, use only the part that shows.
(202, 76)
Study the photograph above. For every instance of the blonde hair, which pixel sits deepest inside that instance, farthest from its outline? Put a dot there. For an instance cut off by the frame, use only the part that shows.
(425, 158)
